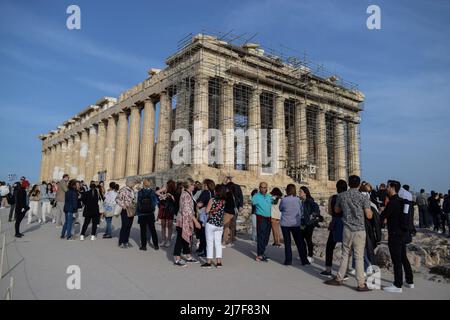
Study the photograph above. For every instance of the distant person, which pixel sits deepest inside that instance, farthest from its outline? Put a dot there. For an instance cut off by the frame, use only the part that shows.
(127, 201)
(446, 209)
(110, 204)
(21, 208)
(382, 196)
(311, 217)
(70, 207)
(398, 228)
(422, 204)
(202, 201)
(34, 197)
(60, 199)
(290, 219)
(145, 211)
(12, 201)
(91, 211)
(354, 206)
(443, 217)
(435, 210)
(233, 205)
(186, 222)
(214, 226)
(168, 208)
(276, 216)
(254, 191)
(4, 191)
(263, 204)
(47, 197)
(336, 228)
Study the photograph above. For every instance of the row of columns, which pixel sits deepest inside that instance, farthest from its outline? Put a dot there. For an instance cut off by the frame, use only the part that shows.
(118, 146)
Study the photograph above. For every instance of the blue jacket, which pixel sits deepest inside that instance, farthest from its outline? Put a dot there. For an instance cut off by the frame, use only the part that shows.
(71, 201)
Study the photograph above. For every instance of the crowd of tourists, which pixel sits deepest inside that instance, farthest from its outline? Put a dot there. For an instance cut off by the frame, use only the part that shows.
(206, 213)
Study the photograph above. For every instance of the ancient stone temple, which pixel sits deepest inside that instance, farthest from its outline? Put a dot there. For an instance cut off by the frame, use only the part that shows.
(211, 83)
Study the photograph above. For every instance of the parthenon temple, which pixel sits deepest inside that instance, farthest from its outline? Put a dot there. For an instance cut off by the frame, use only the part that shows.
(222, 85)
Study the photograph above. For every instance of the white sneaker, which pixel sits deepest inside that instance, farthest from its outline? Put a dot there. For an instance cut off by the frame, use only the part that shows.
(393, 289)
(310, 259)
(39, 221)
(93, 238)
(353, 273)
(224, 246)
(81, 238)
(409, 285)
(53, 221)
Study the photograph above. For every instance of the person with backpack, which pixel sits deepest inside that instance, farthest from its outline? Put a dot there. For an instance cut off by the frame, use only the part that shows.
(398, 227)
(214, 226)
(336, 228)
(311, 217)
(145, 211)
(168, 208)
(91, 212)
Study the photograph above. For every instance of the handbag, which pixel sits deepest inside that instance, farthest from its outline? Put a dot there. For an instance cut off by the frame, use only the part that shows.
(117, 210)
(131, 211)
(101, 209)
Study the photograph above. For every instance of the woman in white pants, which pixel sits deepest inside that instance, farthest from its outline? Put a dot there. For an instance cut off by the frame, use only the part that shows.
(34, 197)
(214, 226)
(46, 198)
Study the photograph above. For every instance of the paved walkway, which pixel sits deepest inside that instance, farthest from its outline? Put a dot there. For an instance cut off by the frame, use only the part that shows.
(40, 260)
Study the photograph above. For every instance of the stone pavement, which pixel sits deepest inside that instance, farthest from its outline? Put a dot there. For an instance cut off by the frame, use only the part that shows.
(40, 259)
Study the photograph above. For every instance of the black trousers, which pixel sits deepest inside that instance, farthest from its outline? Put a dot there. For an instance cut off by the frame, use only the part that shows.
(201, 236)
(397, 249)
(144, 222)
(299, 242)
(307, 234)
(436, 221)
(19, 218)
(11, 210)
(87, 220)
(331, 245)
(125, 229)
(181, 244)
(443, 220)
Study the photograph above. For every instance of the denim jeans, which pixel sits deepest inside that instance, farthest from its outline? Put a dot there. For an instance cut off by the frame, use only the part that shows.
(108, 226)
(264, 225)
(67, 225)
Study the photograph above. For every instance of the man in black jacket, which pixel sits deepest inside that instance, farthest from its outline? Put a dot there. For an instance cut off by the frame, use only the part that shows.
(398, 228)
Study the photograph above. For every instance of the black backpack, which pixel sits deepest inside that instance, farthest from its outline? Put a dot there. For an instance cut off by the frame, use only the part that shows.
(10, 198)
(146, 203)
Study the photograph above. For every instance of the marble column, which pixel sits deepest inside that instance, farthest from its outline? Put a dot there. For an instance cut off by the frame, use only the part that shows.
(279, 125)
(148, 138)
(162, 161)
(353, 144)
(75, 155)
(90, 160)
(68, 158)
(121, 146)
(301, 148)
(110, 148)
(321, 147)
(254, 126)
(62, 159)
(100, 149)
(200, 139)
(182, 107)
(339, 147)
(43, 164)
(226, 125)
(133, 142)
(52, 162)
(84, 146)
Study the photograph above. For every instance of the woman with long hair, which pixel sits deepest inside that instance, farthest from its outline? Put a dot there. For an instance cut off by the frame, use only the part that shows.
(110, 204)
(168, 208)
(311, 213)
(34, 197)
(47, 197)
(126, 199)
(202, 201)
(214, 226)
(91, 212)
(276, 216)
(186, 221)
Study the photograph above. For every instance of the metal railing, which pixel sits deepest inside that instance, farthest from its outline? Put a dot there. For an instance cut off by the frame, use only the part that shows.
(3, 257)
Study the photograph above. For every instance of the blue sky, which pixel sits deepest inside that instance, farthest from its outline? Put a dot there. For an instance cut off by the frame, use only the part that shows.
(49, 73)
